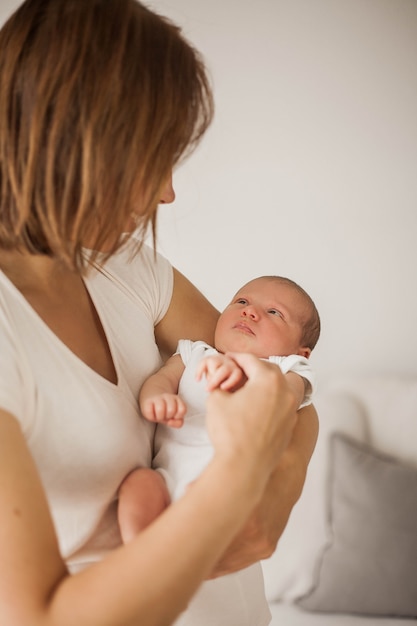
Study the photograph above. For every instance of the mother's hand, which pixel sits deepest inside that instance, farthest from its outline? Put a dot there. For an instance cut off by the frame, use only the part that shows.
(259, 537)
(256, 421)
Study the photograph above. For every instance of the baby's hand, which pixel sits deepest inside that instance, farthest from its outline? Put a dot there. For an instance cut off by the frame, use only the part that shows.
(166, 408)
(222, 372)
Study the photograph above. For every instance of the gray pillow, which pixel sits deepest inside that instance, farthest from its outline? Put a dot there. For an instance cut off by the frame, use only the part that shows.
(370, 563)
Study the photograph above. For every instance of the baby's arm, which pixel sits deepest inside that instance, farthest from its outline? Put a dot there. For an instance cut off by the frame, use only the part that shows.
(297, 384)
(158, 398)
(298, 375)
(221, 372)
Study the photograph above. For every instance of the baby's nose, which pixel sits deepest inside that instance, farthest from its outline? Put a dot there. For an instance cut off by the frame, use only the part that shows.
(250, 312)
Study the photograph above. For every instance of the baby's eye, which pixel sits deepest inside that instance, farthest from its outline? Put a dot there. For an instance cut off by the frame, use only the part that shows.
(275, 312)
(241, 301)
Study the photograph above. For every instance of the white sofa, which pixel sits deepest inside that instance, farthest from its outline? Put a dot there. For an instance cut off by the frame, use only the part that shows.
(349, 553)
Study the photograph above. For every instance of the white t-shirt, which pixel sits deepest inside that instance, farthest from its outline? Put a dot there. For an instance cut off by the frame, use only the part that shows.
(85, 433)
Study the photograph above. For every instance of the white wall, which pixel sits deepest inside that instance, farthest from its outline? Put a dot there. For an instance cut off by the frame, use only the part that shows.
(310, 168)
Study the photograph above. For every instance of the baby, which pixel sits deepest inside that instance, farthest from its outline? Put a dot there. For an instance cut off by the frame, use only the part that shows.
(271, 317)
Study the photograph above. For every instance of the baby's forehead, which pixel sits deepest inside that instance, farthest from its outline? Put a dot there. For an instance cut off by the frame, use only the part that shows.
(268, 285)
(278, 289)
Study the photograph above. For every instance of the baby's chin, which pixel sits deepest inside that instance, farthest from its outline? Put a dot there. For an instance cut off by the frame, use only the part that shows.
(240, 344)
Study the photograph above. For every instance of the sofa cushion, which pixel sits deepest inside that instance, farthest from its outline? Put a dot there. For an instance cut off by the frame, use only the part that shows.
(288, 614)
(370, 564)
(390, 406)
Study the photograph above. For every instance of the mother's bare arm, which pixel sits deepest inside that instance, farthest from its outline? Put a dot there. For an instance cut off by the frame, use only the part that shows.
(149, 581)
(189, 316)
(35, 587)
(259, 538)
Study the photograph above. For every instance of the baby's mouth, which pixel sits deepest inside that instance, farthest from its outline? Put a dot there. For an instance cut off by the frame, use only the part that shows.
(244, 328)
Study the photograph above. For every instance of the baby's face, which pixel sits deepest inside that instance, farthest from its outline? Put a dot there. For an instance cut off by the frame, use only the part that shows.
(264, 318)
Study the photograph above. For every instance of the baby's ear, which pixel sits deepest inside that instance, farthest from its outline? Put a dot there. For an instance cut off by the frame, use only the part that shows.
(304, 352)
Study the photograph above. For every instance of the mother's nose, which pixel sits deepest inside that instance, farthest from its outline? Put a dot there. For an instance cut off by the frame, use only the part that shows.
(167, 193)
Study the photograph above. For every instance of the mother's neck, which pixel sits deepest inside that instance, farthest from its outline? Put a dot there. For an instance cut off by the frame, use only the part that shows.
(32, 272)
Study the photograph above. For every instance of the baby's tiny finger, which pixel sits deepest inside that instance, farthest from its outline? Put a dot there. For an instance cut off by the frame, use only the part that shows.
(175, 423)
(217, 377)
(233, 379)
(160, 409)
(171, 407)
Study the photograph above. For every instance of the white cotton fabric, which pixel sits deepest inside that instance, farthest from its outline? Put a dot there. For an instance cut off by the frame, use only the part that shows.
(85, 433)
(181, 455)
(301, 366)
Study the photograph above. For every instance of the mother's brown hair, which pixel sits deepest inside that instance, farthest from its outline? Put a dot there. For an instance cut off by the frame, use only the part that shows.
(98, 100)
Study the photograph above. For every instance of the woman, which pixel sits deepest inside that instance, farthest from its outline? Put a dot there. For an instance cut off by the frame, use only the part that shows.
(99, 101)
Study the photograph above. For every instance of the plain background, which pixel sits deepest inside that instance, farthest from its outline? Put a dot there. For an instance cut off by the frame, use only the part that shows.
(309, 169)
